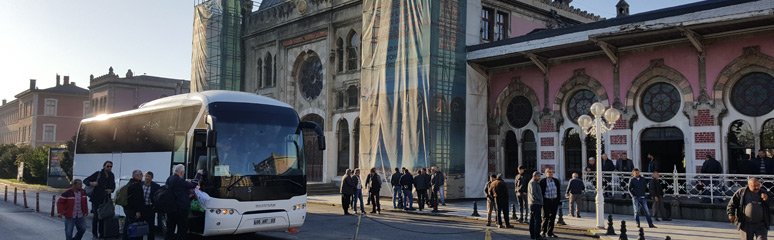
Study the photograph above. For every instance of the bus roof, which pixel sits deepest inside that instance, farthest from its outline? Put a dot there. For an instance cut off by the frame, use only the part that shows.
(195, 98)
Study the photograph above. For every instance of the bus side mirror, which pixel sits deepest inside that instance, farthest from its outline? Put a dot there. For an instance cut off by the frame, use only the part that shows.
(316, 128)
(212, 138)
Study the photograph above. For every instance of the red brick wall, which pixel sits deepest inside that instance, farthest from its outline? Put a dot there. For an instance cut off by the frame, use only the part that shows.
(704, 118)
(702, 153)
(547, 141)
(547, 155)
(618, 139)
(621, 124)
(704, 137)
(546, 125)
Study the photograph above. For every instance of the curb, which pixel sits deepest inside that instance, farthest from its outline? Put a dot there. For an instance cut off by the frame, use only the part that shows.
(591, 232)
(39, 188)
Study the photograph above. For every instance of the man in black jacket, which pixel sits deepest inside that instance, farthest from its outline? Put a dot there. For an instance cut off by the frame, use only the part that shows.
(347, 189)
(104, 183)
(141, 198)
(551, 199)
(574, 191)
(522, 183)
(637, 187)
(374, 184)
(397, 192)
(657, 193)
(422, 183)
(499, 190)
(437, 181)
(177, 216)
(134, 202)
(406, 183)
(749, 210)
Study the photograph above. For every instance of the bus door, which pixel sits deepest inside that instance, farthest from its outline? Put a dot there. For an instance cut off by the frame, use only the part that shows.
(198, 159)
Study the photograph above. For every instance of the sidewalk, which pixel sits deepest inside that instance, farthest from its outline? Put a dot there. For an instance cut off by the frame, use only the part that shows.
(30, 187)
(676, 229)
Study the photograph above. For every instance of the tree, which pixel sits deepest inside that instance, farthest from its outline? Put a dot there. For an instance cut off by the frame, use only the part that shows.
(35, 163)
(8, 165)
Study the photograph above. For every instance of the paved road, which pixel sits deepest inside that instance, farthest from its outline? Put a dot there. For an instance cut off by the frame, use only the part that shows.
(323, 222)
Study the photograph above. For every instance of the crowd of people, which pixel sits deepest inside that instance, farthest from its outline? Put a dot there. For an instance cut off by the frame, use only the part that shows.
(139, 203)
(428, 185)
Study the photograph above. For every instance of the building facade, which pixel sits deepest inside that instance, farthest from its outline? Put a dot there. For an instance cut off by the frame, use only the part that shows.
(43, 116)
(319, 56)
(691, 81)
(111, 93)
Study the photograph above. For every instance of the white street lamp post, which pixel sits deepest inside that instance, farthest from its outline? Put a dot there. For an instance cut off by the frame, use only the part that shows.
(597, 126)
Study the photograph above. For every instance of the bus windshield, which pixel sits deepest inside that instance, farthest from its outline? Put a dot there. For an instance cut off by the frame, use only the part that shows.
(258, 147)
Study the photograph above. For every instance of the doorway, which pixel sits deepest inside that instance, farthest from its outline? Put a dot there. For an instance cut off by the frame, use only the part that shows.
(511, 148)
(667, 146)
(573, 151)
(314, 157)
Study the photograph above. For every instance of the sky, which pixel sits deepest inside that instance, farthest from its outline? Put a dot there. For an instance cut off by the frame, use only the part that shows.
(42, 38)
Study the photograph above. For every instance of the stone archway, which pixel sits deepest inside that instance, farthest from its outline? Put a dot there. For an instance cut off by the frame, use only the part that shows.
(657, 71)
(314, 157)
(752, 60)
(514, 89)
(579, 80)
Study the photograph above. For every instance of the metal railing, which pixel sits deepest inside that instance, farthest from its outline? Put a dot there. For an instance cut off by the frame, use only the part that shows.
(711, 187)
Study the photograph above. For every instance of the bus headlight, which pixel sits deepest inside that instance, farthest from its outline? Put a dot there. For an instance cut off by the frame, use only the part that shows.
(299, 206)
(223, 211)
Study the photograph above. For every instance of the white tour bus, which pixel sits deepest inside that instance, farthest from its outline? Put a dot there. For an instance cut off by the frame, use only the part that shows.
(249, 147)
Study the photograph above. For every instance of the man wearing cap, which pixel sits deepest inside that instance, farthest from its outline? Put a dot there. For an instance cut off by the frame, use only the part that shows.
(551, 200)
(535, 201)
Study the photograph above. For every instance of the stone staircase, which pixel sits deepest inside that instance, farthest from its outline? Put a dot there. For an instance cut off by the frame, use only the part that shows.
(317, 189)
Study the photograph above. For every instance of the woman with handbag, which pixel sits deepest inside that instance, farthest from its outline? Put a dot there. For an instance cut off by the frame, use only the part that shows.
(99, 187)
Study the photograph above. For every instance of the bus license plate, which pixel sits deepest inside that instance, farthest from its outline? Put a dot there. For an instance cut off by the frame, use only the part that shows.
(264, 221)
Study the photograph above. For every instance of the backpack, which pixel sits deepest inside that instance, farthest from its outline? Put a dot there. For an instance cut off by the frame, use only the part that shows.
(163, 200)
(122, 197)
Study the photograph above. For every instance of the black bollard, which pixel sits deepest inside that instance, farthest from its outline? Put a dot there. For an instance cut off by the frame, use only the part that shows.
(642, 234)
(53, 203)
(610, 229)
(514, 217)
(623, 231)
(475, 209)
(24, 197)
(6, 193)
(37, 201)
(668, 238)
(561, 218)
(14, 196)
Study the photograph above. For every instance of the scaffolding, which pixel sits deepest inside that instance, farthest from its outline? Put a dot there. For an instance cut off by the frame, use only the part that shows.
(216, 54)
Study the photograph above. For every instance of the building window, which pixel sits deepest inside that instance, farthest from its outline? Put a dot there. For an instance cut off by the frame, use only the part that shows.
(259, 73)
(86, 108)
(660, 102)
(310, 77)
(50, 108)
(352, 50)
(487, 24)
(501, 26)
(580, 104)
(340, 55)
(752, 95)
(267, 71)
(340, 100)
(49, 132)
(519, 112)
(352, 96)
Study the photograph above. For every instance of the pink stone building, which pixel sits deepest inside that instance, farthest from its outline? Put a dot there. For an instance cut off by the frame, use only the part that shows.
(43, 116)
(111, 93)
(691, 81)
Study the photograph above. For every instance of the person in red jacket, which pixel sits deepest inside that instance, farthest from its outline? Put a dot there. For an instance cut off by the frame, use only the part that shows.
(72, 204)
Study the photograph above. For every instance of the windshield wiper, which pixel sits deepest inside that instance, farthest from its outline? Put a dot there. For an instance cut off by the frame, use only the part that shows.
(230, 186)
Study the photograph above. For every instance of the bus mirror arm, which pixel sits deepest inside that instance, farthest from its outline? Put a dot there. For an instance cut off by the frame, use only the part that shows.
(212, 138)
(317, 129)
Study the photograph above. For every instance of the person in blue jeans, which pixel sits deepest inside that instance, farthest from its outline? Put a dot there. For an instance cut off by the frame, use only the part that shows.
(535, 201)
(637, 186)
(72, 205)
(407, 182)
(358, 192)
(397, 192)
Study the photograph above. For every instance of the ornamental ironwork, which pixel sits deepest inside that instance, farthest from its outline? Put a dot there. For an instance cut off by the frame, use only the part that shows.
(753, 95)
(311, 77)
(519, 112)
(660, 102)
(580, 104)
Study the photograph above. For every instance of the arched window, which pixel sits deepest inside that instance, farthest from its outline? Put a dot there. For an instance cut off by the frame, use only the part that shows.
(259, 73)
(529, 151)
(660, 102)
(340, 55)
(310, 75)
(580, 104)
(343, 137)
(519, 112)
(267, 71)
(753, 94)
(740, 139)
(353, 47)
(352, 96)
(573, 161)
(339, 100)
(356, 140)
(511, 149)
(767, 135)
